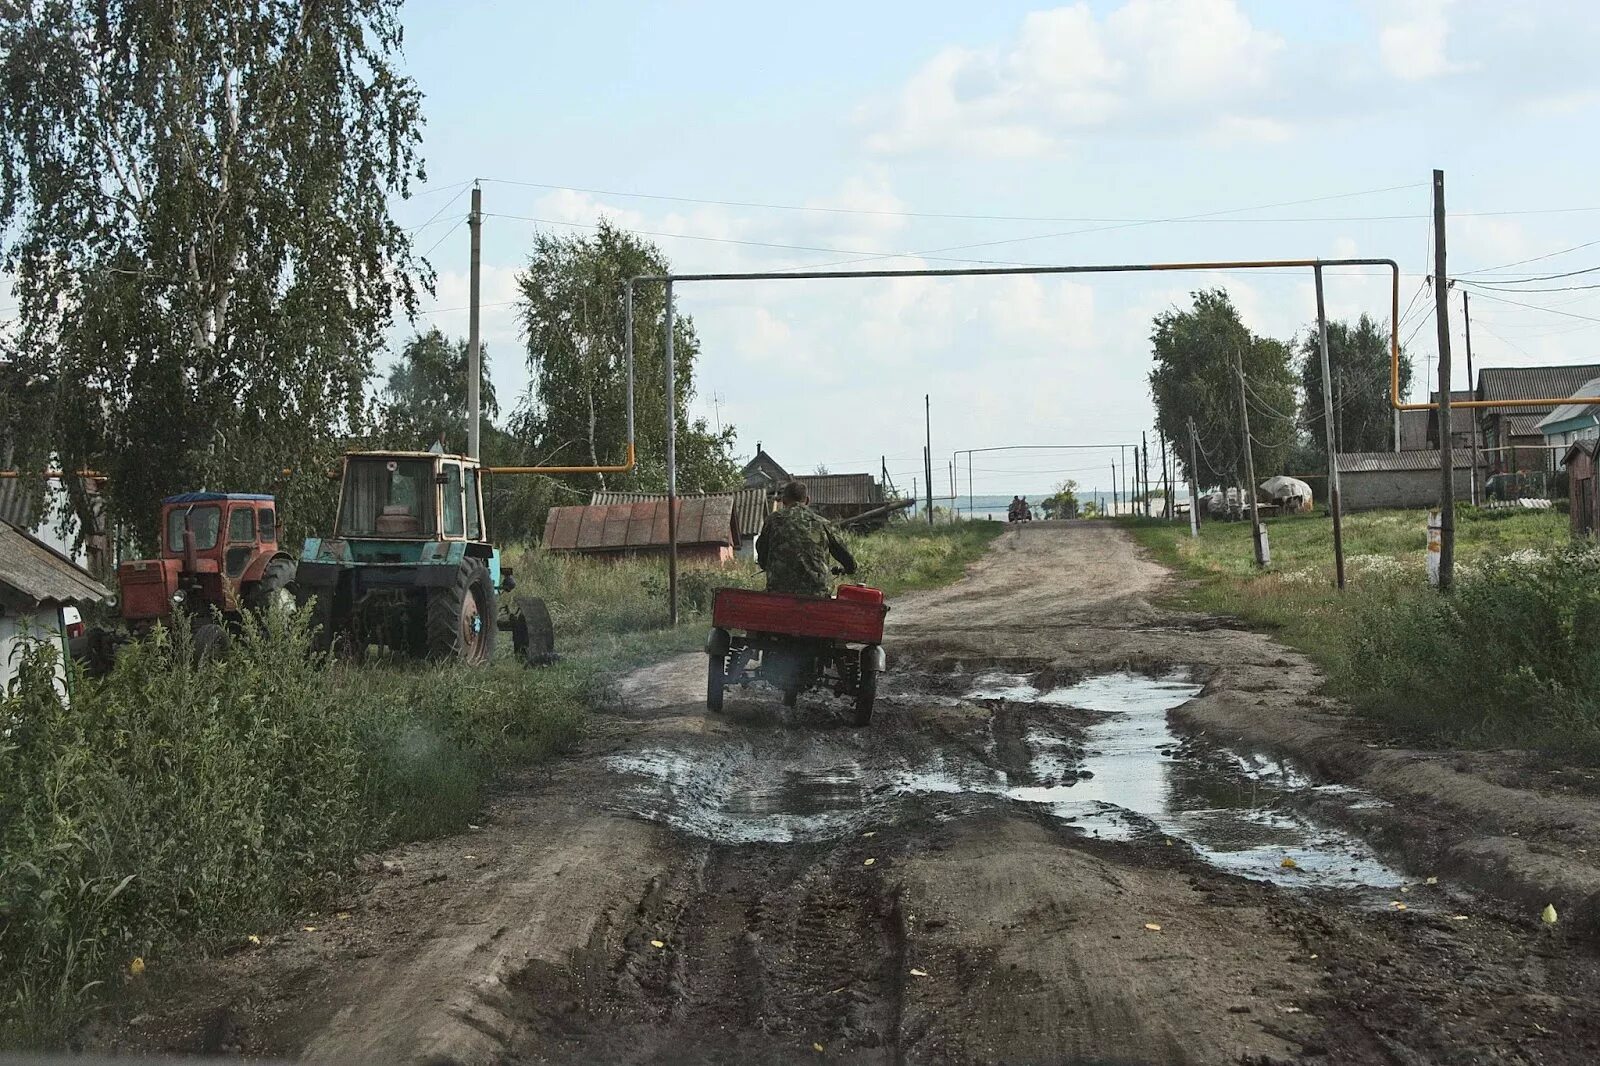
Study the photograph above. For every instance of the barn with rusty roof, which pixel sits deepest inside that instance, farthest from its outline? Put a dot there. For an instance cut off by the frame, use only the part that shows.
(708, 529)
(751, 506)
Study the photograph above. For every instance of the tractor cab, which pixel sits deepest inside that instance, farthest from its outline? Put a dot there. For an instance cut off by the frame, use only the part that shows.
(409, 565)
(216, 547)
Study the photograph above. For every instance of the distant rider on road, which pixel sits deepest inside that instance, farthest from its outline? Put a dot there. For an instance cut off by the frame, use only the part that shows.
(794, 546)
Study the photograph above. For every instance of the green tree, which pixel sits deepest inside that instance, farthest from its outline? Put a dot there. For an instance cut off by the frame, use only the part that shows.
(1063, 503)
(1358, 362)
(572, 311)
(194, 204)
(425, 397)
(1194, 377)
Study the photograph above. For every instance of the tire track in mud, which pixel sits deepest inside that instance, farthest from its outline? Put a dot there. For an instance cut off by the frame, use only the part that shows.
(762, 946)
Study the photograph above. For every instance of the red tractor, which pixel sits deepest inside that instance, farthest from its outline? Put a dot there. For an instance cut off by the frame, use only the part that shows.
(794, 643)
(219, 556)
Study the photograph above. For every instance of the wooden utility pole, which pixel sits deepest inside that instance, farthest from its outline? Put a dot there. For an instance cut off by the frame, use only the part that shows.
(1166, 484)
(1441, 303)
(1250, 466)
(1144, 471)
(474, 351)
(1194, 486)
(1472, 416)
(927, 450)
(1335, 503)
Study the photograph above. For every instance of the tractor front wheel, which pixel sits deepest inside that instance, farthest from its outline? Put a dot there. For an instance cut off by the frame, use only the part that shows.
(461, 621)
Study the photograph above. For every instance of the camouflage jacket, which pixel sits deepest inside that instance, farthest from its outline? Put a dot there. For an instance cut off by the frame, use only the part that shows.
(793, 549)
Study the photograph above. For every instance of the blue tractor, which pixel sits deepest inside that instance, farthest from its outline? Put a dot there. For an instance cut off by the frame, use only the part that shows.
(410, 566)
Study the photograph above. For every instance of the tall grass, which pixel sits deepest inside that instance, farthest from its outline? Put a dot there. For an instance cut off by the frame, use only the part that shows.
(178, 799)
(1510, 657)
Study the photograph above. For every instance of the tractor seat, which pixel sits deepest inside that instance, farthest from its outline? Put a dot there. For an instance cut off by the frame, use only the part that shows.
(397, 519)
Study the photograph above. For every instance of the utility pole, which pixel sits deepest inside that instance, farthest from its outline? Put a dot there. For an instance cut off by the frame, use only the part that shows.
(1144, 470)
(1113, 488)
(1441, 303)
(1194, 486)
(927, 450)
(1166, 483)
(1250, 467)
(474, 353)
(1334, 503)
(953, 515)
(1472, 417)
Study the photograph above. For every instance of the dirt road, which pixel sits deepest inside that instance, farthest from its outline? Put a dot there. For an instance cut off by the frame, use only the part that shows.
(1051, 846)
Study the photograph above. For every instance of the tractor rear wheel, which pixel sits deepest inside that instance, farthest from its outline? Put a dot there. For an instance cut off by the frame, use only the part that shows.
(866, 685)
(276, 588)
(461, 621)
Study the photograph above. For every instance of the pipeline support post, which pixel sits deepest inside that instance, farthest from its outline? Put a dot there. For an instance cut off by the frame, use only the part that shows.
(672, 471)
(1334, 503)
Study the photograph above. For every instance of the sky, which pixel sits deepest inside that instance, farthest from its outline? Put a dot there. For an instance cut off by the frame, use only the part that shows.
(941, 134)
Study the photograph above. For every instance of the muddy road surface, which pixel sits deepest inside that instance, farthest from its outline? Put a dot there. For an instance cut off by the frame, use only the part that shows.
(1057, 843)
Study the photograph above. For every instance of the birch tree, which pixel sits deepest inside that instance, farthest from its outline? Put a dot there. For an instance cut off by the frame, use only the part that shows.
(194, 202)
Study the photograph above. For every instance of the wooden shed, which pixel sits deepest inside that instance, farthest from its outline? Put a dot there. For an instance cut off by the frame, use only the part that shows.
(708, 531)
(36, 584)
(1584, 502)
(751, 506)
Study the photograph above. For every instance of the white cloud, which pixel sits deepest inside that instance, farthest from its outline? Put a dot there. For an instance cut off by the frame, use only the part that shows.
(1412, 39)
(1168, 65)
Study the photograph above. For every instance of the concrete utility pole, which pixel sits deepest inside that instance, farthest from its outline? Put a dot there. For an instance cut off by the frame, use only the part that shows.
(1113, 489)
(474, 354)
(1334, 502)
(927, 450)
(1441, 302)
(1472, 414)
(1250, 467)
(1194, 486)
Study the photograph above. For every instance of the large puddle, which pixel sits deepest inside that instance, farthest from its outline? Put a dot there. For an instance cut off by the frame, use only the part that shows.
(1099, 755)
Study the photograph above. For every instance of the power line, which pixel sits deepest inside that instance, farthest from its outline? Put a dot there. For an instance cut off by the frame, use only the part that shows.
(417, 229)
(436, 244)
(1535, 259)
(1531, 307)
(1551, 288)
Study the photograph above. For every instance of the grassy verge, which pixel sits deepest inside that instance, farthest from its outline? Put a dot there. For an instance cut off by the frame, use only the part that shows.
(178, 805)
(1510, 658)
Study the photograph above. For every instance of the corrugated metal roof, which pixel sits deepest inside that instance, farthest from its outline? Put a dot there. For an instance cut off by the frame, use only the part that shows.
(1575, 410)
(1517, 382)
(847, 490)
(1524, 424)
(750, 506)
(39, 573)
(763, 468)
(623, 526)
(1387, 462)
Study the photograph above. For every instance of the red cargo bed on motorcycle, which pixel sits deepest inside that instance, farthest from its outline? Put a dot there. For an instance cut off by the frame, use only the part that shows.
(849, 618)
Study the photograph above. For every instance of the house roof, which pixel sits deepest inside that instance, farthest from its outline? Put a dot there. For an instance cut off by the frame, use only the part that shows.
(1524, 424)
(750, 506)
(42, 574)
(1389, 462)
(764, 466)
(1533, 382)
(621, 526)
(1587, 447)
(1568, 411)
(842, 490)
